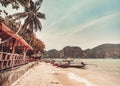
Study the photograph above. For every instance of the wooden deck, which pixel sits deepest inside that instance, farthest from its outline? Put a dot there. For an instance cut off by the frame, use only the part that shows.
(7, 62)
(13, 49)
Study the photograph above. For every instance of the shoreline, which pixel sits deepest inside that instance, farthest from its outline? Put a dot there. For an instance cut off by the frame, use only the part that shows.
(44, 74)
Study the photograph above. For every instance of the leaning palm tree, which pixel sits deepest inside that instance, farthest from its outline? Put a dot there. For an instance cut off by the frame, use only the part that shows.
(32, 16)
(31, 23)
(31, 13)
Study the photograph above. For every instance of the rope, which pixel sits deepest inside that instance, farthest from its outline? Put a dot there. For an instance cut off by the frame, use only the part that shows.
(92, 64)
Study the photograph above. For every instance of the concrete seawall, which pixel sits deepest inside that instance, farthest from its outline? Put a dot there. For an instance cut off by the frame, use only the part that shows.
(8, 77)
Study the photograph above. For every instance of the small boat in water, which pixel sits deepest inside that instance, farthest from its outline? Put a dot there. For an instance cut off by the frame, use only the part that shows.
(66, 65)
(69, 63)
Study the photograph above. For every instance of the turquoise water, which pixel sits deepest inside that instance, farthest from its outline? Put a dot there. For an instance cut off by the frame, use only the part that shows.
(108, 66)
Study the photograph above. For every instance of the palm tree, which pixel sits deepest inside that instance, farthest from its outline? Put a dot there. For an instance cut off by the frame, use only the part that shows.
(31, 13)
(32, 16)
(31, 39)
(31, 23)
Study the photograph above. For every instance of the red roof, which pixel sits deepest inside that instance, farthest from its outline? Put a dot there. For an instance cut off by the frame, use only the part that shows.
(9, 32)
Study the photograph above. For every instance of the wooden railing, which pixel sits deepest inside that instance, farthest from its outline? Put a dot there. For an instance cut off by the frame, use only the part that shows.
(9, 60)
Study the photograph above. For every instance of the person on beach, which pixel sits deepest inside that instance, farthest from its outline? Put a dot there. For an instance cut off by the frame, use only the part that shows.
(83, 64)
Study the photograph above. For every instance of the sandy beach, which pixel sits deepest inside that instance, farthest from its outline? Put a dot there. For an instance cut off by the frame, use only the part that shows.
(44, 74)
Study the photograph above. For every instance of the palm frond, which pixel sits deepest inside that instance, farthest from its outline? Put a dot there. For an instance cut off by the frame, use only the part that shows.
(0, 10)
(26, 23)
(31, 8)
(22, 13)
(31, 25)
(39, 26)
(6, 13)
(35, 22)
(4, 3)
(24, 3)
(19, 15)
(40, 15)
(15, 5)
(38, 4)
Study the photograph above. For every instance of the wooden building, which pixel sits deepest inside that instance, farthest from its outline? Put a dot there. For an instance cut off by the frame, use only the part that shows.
(13, 48)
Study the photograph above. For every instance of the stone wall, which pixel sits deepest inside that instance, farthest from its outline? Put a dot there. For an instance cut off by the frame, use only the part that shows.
(8, 77)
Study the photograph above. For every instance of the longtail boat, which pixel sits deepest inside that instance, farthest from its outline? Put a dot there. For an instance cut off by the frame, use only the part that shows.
(81, 65)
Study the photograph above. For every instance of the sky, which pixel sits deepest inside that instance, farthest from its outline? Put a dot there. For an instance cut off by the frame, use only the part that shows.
(83, 23)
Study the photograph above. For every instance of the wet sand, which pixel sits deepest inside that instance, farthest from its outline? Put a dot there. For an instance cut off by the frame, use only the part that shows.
(44, 74)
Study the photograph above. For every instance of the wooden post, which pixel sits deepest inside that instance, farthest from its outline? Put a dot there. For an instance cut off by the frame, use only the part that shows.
(1, 62)
(24, 54)
(0, 40)
(13, 51)
(13, 47)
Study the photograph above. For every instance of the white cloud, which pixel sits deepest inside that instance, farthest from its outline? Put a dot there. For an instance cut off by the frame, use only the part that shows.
(56, 37)
(58, 40)
(80, 7)
(94, 22)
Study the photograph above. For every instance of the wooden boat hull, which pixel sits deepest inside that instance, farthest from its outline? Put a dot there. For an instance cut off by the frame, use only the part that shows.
(70, 65)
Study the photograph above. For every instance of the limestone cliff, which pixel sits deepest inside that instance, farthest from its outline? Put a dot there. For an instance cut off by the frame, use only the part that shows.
(102, 51)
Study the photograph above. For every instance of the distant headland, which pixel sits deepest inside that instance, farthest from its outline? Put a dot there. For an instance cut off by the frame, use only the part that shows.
(103, 51)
